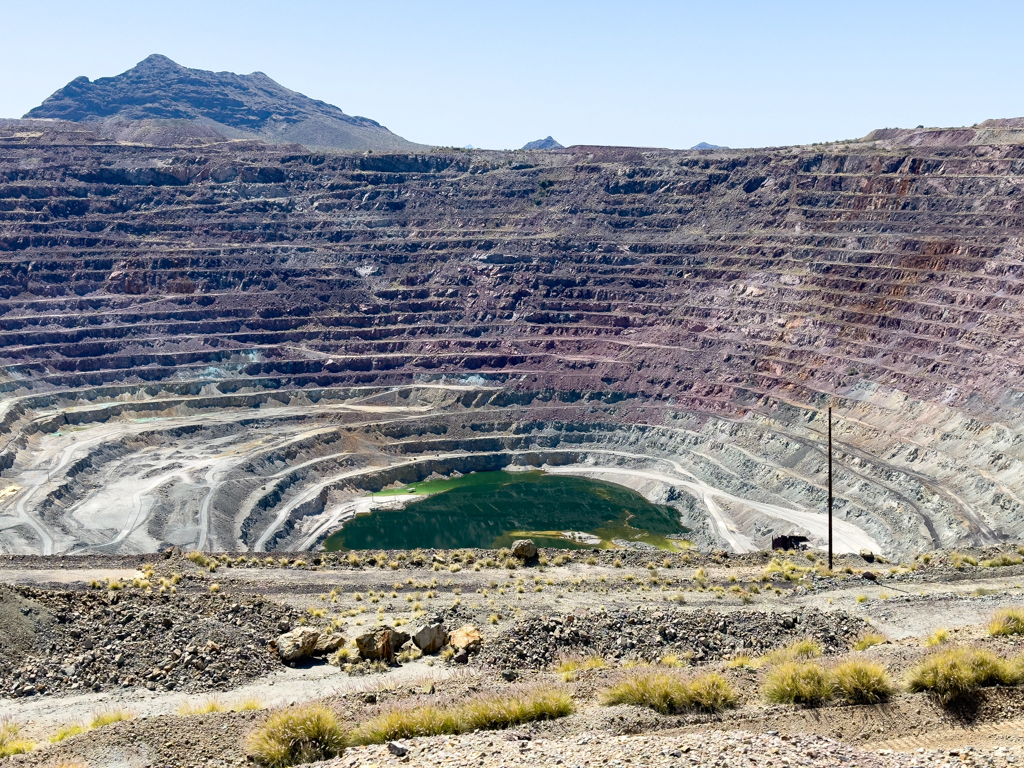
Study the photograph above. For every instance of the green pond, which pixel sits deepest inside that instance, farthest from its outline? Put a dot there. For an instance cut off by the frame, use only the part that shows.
(492, 509)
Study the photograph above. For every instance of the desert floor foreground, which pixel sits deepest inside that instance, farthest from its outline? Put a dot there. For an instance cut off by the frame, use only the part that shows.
(149, 635)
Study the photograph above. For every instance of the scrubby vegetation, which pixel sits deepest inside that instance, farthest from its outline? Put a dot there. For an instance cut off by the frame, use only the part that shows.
(669, 693)
(571, 666)
(482, 713)
(867, 640)
(956, 674)
(1009, 621)
(213, 704)
(938, 637)
(11, 742)
(794, 682)
(862, 682)
(295, 736)
(801, 650)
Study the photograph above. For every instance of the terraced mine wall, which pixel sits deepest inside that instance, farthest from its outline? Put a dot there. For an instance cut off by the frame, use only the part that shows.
(226, 346)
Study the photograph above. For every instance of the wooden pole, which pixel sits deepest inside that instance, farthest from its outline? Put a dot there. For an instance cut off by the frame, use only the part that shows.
(830, 488)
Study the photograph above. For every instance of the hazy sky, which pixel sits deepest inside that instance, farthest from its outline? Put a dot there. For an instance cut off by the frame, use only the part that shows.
(498, 74)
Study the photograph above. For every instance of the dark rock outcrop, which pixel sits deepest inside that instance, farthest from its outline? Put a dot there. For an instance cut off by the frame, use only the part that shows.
(158, 90)
(547, 143)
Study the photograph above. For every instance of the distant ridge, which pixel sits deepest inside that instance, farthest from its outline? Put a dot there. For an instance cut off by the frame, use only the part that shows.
(705, 145)
(547, 143)
(234, 106)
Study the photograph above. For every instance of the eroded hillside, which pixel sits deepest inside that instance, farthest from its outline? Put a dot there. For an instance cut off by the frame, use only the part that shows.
(225, 346)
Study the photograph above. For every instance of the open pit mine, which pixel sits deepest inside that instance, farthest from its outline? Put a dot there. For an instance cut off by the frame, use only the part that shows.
(227, 345)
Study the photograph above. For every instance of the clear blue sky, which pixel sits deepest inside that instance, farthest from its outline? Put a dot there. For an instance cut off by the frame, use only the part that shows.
(498, 74)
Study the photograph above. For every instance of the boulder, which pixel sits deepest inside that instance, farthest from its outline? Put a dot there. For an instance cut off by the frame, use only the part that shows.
(328, 643)
(867, 555)
(380, 644)
(524, 549)
(430, 638)
(297, 644)
(466, 638)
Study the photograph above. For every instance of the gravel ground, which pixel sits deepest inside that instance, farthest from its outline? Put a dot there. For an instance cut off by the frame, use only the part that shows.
(737, 749)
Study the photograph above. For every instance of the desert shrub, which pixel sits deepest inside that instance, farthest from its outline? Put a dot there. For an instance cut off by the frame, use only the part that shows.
(482, 713)
(793, 682)
(958, 560)
(643, 687)
(741, 661)
(801, 650)
(1009, 621)
(862, 682)
(295, 736)
(668, 693)
(404, 723)
(67, 731)
(1001, 561)
(110, 717)
(502, 711)
(198, 558)
(711, 693)
(957, 673)
(10, 741)
(570, 666)
(938, 637)
(206, 707)
(867, 640)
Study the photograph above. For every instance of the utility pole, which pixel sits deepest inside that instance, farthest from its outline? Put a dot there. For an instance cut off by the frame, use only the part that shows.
(830, 487)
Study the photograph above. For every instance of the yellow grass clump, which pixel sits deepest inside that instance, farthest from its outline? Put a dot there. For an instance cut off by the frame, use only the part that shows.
(294, 736)
(956, 674)
(669, 693)
(794, 682)
(482, 713)
(862, 682)
(11, 742)
(1009, 621)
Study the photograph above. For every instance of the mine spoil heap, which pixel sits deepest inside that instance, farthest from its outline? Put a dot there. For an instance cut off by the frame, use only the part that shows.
(224, 346)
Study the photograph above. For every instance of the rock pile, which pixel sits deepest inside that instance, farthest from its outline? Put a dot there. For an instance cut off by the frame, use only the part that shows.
(642, 633)
(98, 641)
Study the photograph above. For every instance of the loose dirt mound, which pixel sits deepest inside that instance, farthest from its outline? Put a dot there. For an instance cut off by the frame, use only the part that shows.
(649, 634)
(70, 641)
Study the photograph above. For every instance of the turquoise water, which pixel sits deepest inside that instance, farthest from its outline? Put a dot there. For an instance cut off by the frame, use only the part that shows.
(492, 509)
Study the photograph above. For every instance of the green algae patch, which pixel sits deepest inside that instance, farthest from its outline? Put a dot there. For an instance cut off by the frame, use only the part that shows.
(489, 510)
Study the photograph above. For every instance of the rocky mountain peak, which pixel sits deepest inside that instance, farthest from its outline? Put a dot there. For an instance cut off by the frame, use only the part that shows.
(548, 143)
(237, 106)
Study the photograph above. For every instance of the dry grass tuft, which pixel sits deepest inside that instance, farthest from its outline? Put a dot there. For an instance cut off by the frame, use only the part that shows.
(10, 743)
(110, 717)
(571, 666)
(801, 650)
(711, 693)
(956, 674)
(295, 736)
(793, 682)
(668, 693)
(867, 640)
(862, 682)
(206, 707)
(67, 731)
(1009, 621)
(938, 637)
(482, 713)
